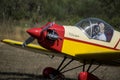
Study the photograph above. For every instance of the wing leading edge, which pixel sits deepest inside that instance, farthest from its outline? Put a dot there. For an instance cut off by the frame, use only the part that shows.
(30, 47)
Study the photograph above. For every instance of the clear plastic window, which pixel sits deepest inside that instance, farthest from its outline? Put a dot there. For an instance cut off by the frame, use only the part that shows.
(96, 29)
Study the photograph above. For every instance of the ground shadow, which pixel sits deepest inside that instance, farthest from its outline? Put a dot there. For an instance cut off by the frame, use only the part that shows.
(22, 76)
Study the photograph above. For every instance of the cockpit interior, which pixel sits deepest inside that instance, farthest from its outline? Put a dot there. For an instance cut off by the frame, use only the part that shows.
(95, 28)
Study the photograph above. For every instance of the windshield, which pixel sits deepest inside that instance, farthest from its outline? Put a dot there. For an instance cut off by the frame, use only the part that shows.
(96, 29)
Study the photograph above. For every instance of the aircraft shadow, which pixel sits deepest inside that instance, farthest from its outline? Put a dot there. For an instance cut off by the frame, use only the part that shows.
(22, 76)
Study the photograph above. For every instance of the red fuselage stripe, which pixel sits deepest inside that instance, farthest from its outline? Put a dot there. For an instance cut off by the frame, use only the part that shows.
(92, 43)
(117, 43)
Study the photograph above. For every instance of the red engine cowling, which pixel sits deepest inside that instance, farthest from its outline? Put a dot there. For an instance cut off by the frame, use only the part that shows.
(49, 36)
(52, 38)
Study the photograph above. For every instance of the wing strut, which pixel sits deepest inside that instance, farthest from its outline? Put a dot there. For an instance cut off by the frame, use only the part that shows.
(61, 63)
(90, 65)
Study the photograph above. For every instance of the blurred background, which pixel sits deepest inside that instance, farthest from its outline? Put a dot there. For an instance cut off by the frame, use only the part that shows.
(18, 15)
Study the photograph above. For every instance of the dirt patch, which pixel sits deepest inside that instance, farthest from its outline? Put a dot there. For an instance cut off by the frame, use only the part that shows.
(18, 64)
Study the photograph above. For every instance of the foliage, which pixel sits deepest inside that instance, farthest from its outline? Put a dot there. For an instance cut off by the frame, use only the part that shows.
(60, 10)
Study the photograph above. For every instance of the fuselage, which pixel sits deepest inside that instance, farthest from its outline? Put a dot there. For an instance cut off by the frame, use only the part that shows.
(80, 42)
(76, 42)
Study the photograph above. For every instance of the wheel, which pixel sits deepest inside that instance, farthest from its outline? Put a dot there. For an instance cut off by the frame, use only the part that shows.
(53, 74)
(87, 76)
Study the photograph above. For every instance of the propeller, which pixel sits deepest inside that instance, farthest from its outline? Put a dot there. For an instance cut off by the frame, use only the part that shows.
(52, 35)
(27, 41)
(47, 27)
(35, 32)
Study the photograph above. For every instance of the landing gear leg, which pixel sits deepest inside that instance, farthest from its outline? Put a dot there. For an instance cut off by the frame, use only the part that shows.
(86, 75)
(56, 74)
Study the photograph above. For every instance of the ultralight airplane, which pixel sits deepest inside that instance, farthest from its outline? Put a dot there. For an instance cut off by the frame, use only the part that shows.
(90, 41)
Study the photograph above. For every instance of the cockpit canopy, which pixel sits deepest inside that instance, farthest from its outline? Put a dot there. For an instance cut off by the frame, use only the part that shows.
(96, 28)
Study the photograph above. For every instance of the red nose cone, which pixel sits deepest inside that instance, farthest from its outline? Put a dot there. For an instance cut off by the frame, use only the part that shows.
(34, 32)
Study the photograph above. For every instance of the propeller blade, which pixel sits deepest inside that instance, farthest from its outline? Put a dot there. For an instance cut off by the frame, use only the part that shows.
(45, 28)
(29, 40)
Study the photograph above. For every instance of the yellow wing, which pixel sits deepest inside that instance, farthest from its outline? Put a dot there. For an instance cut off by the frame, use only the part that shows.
(109, 58)
(30, 47)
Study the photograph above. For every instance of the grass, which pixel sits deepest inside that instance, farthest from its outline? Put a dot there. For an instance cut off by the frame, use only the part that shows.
(13, 30)
(17, 29)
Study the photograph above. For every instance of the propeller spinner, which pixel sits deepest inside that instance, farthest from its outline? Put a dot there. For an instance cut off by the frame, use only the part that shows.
(35, 33)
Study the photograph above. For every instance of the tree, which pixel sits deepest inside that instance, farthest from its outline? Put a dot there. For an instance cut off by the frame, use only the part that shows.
(111, 8)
